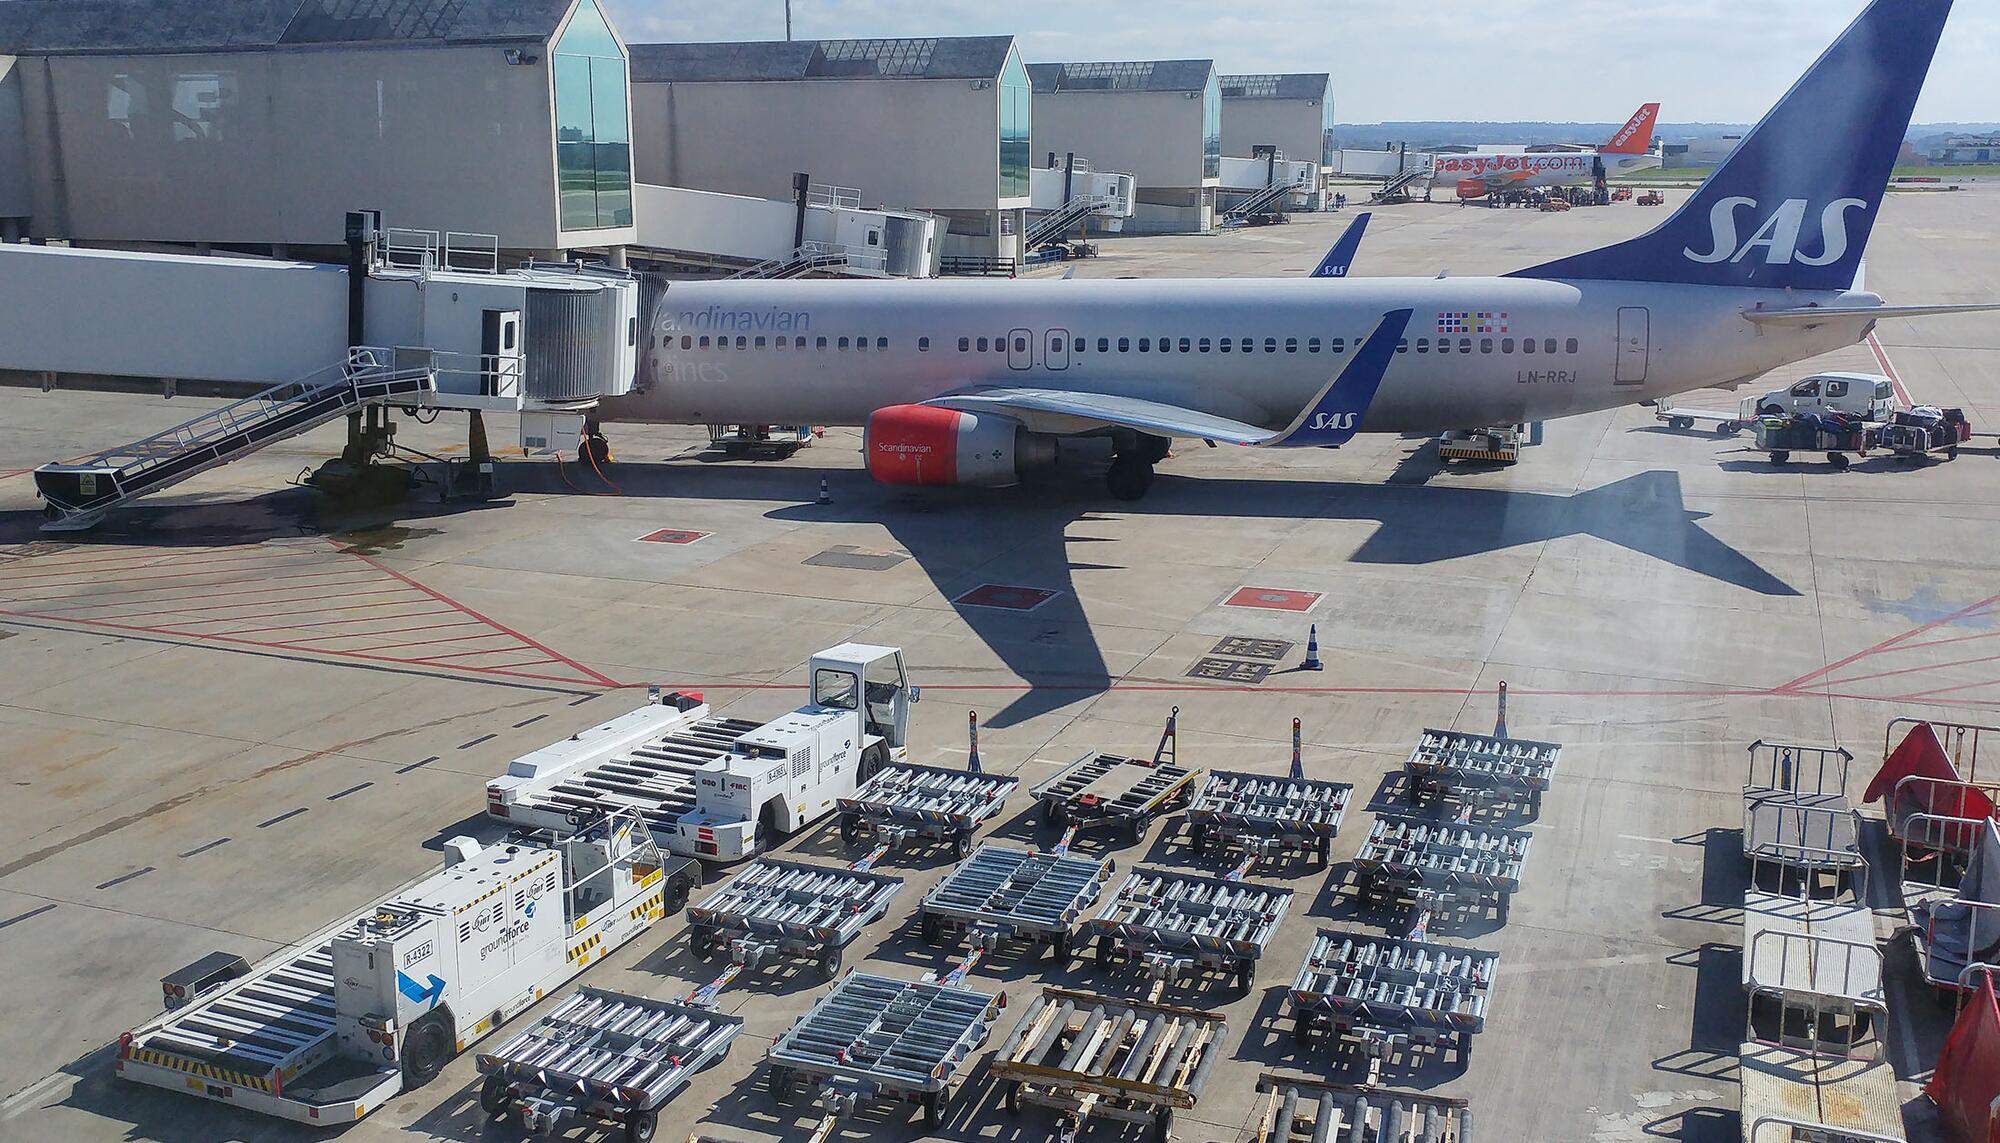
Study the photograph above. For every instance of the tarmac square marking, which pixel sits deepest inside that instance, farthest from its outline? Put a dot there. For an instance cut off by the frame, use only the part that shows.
(851, 558)
(1245, 647)
(673, 536)
(1273, 599)
(1006, 598)
(1229, 671)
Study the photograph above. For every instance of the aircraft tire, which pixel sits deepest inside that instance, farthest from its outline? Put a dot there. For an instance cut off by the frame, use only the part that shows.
(1129, 478)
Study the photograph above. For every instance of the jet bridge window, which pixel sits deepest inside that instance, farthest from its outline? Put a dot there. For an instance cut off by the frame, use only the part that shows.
(834, 688)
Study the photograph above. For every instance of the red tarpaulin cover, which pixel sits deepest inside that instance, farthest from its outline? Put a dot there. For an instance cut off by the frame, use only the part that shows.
(1922, 753)
(1967, 1081)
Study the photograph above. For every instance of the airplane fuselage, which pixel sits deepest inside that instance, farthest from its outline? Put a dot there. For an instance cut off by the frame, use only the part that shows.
(1478, 351)
(1518, 170)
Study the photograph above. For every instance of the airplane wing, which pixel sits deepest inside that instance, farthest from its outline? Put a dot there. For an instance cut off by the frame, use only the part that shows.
(1330, 421)
(1815, 315)
(1338, 259)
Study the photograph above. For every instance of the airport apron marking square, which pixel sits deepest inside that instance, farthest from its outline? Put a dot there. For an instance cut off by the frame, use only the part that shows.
(1005, 597)
(673, 536)
(1273, 599)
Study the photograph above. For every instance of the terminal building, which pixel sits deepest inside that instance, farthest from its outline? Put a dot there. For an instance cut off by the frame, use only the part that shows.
(255, 125)
(940, 125)
(1293, 112)
(1159, 120)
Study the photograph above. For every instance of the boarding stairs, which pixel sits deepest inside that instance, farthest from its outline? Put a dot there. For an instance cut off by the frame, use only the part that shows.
(818, 258)
(1399, 187)
(81, 491)
(1261, 202)
(1055, 225)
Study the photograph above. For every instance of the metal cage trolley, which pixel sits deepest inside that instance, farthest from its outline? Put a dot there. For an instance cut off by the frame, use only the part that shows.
(1170, 923)
(1795, 810)
(1384, 993)
(1262, 813)
(874, 1038)
(602, 1056)
(1301, 1110)
(1000, 893)
(1090, 1056)
(1113, 791)
(1438, 865)
(774, 907)
(907, 802)
(1480, 769)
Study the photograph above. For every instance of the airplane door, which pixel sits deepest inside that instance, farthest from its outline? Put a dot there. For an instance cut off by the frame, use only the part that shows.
(1632, 349)
(1020, 349)
(1057, 356)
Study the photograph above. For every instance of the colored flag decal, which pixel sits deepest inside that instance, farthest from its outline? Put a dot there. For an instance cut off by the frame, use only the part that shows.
(1472, 321)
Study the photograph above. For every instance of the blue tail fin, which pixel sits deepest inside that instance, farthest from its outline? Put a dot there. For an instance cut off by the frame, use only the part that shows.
(1338, 259)
(1793, 205)
(1334, 418)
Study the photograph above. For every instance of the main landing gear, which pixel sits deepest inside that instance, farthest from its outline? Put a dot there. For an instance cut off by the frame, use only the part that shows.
(1131, 473)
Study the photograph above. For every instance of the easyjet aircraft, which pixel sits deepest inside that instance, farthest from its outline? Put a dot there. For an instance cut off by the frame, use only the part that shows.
(1628, 150)
(977, 382)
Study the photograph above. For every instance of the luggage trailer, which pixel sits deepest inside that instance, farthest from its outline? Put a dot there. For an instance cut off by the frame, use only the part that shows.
(773, 908)
(1441, 865)
(1383, 993)
(1170, 923)
(1266, 815)
(1000, 893)
(1301, 1110)
(876, 1038)
(1088, 1056)
(1480, 770)
(605, 1057)
(1112, 791)
(1796, 817)
(906, 802)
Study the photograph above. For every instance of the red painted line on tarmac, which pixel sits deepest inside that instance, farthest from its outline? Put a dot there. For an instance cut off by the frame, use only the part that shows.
(1889, 644)
(449, 602)
(476, 654)
(502, 666)
(1927, 696)
(69, 569)
(1947, 642)
(295, 611)
(307, 606)
(1913, 670)
(12, 472)
(415, 642)
(350, 619)
(1889, 370)
(170, 597)
(187, 575)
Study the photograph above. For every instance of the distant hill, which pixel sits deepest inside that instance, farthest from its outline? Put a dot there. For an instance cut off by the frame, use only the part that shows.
(1436, 133)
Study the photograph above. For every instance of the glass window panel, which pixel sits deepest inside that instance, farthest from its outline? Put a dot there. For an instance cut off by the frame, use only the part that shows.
(588, 34)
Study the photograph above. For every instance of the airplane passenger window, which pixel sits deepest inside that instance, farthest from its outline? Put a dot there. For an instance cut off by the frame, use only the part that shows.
(1291, 345)
(1339, 345)
(1548, 345)
(742, 342)
(1077, 346)
(822, 344)
(1312, 345)
(964, 343)
(1204, 345)
(1145, 344)
(1485, 345)
(923, 345)
(781, 343)
(1224, 344)
(1249, 345)
(1527, 345)
(860, 344)
(798, 343)
(687, 341)
(843, 343)
(1185, 344)
(1423, 345)
(1403, 346)
(704, 341)
(1103, 345)
(1569, 346)
(1020, 345)
(1444, 345)
(1000, 344)
(982, 345)
(1465, 345)
(1506, 345)
(760, 342)
(1124, 345)
(1270, 345)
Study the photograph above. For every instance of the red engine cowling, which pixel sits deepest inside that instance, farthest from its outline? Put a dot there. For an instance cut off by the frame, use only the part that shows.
(923, 444)
(1471, 188)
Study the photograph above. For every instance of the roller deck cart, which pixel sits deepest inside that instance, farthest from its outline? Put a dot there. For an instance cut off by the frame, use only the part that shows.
(1090, 1056)
(1171, 922)
(1302, 1110)
(906, 802)
(1479, 769)
(874, 1038)
(1383, 993)
(776, 907)
(603, 1056)
(1261, 812)
(1795, 809)
(1113, 791)
(1000, 893)
(1783, 436)
(1441, 864)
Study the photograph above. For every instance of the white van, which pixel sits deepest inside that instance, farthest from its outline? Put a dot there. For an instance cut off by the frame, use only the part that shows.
(1865, 395)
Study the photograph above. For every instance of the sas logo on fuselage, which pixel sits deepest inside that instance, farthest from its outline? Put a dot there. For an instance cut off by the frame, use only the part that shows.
(1324, 421)
(1778, 236)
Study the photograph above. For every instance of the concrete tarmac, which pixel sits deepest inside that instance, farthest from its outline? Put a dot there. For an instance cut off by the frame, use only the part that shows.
(232, 714)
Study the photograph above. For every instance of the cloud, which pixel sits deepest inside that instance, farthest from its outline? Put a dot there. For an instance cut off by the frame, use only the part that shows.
(1717, 60)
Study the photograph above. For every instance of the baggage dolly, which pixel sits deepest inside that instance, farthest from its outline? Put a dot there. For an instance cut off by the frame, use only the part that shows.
(776, 907)
(602, 1056)
(906, 802)
(1439, 865)
(1110, 790)
(1796, 816)
(1727, 424)
(875, 1038)
(1000, 893)
(1266, 815)
(1090, 1056)
(1170, 923)
(1302, 1110)
(1382, 993)
(1477, 770)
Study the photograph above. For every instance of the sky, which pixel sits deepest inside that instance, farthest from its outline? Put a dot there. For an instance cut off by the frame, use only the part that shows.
(1554, 60)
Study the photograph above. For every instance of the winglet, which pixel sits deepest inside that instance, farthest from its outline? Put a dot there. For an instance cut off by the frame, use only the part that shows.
(1338, 259)
(1334, 418)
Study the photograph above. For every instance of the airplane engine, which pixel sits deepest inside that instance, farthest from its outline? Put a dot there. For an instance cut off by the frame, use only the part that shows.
(1471, 188)
(922, 444)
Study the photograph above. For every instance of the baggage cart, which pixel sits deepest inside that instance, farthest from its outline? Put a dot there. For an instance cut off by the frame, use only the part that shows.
(1795, 810)
(1000, 893)
(1383, 994)
(1437, 865)
(1087, 1056)
(1816, 993)
(875, 1038)
(906, 802)
(1956, 933)
(1728, 422)
(1479, 770)
(775, 907)
(602, 1056)
(1783, 436)
(1262, 813)
(1171, 923)
(1113, 791)
(1302, 1110)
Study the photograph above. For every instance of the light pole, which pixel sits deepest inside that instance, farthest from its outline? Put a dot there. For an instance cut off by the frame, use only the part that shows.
(788, 21)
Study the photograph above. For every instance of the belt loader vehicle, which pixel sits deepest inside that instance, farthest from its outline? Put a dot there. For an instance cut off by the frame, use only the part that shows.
(323, 1032)
(723, 789)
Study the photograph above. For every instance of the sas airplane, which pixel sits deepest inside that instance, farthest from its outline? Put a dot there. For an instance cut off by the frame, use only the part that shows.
(980, 382)
(1486, 172)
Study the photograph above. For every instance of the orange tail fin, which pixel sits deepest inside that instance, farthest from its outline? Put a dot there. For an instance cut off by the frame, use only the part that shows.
(1636, 137)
